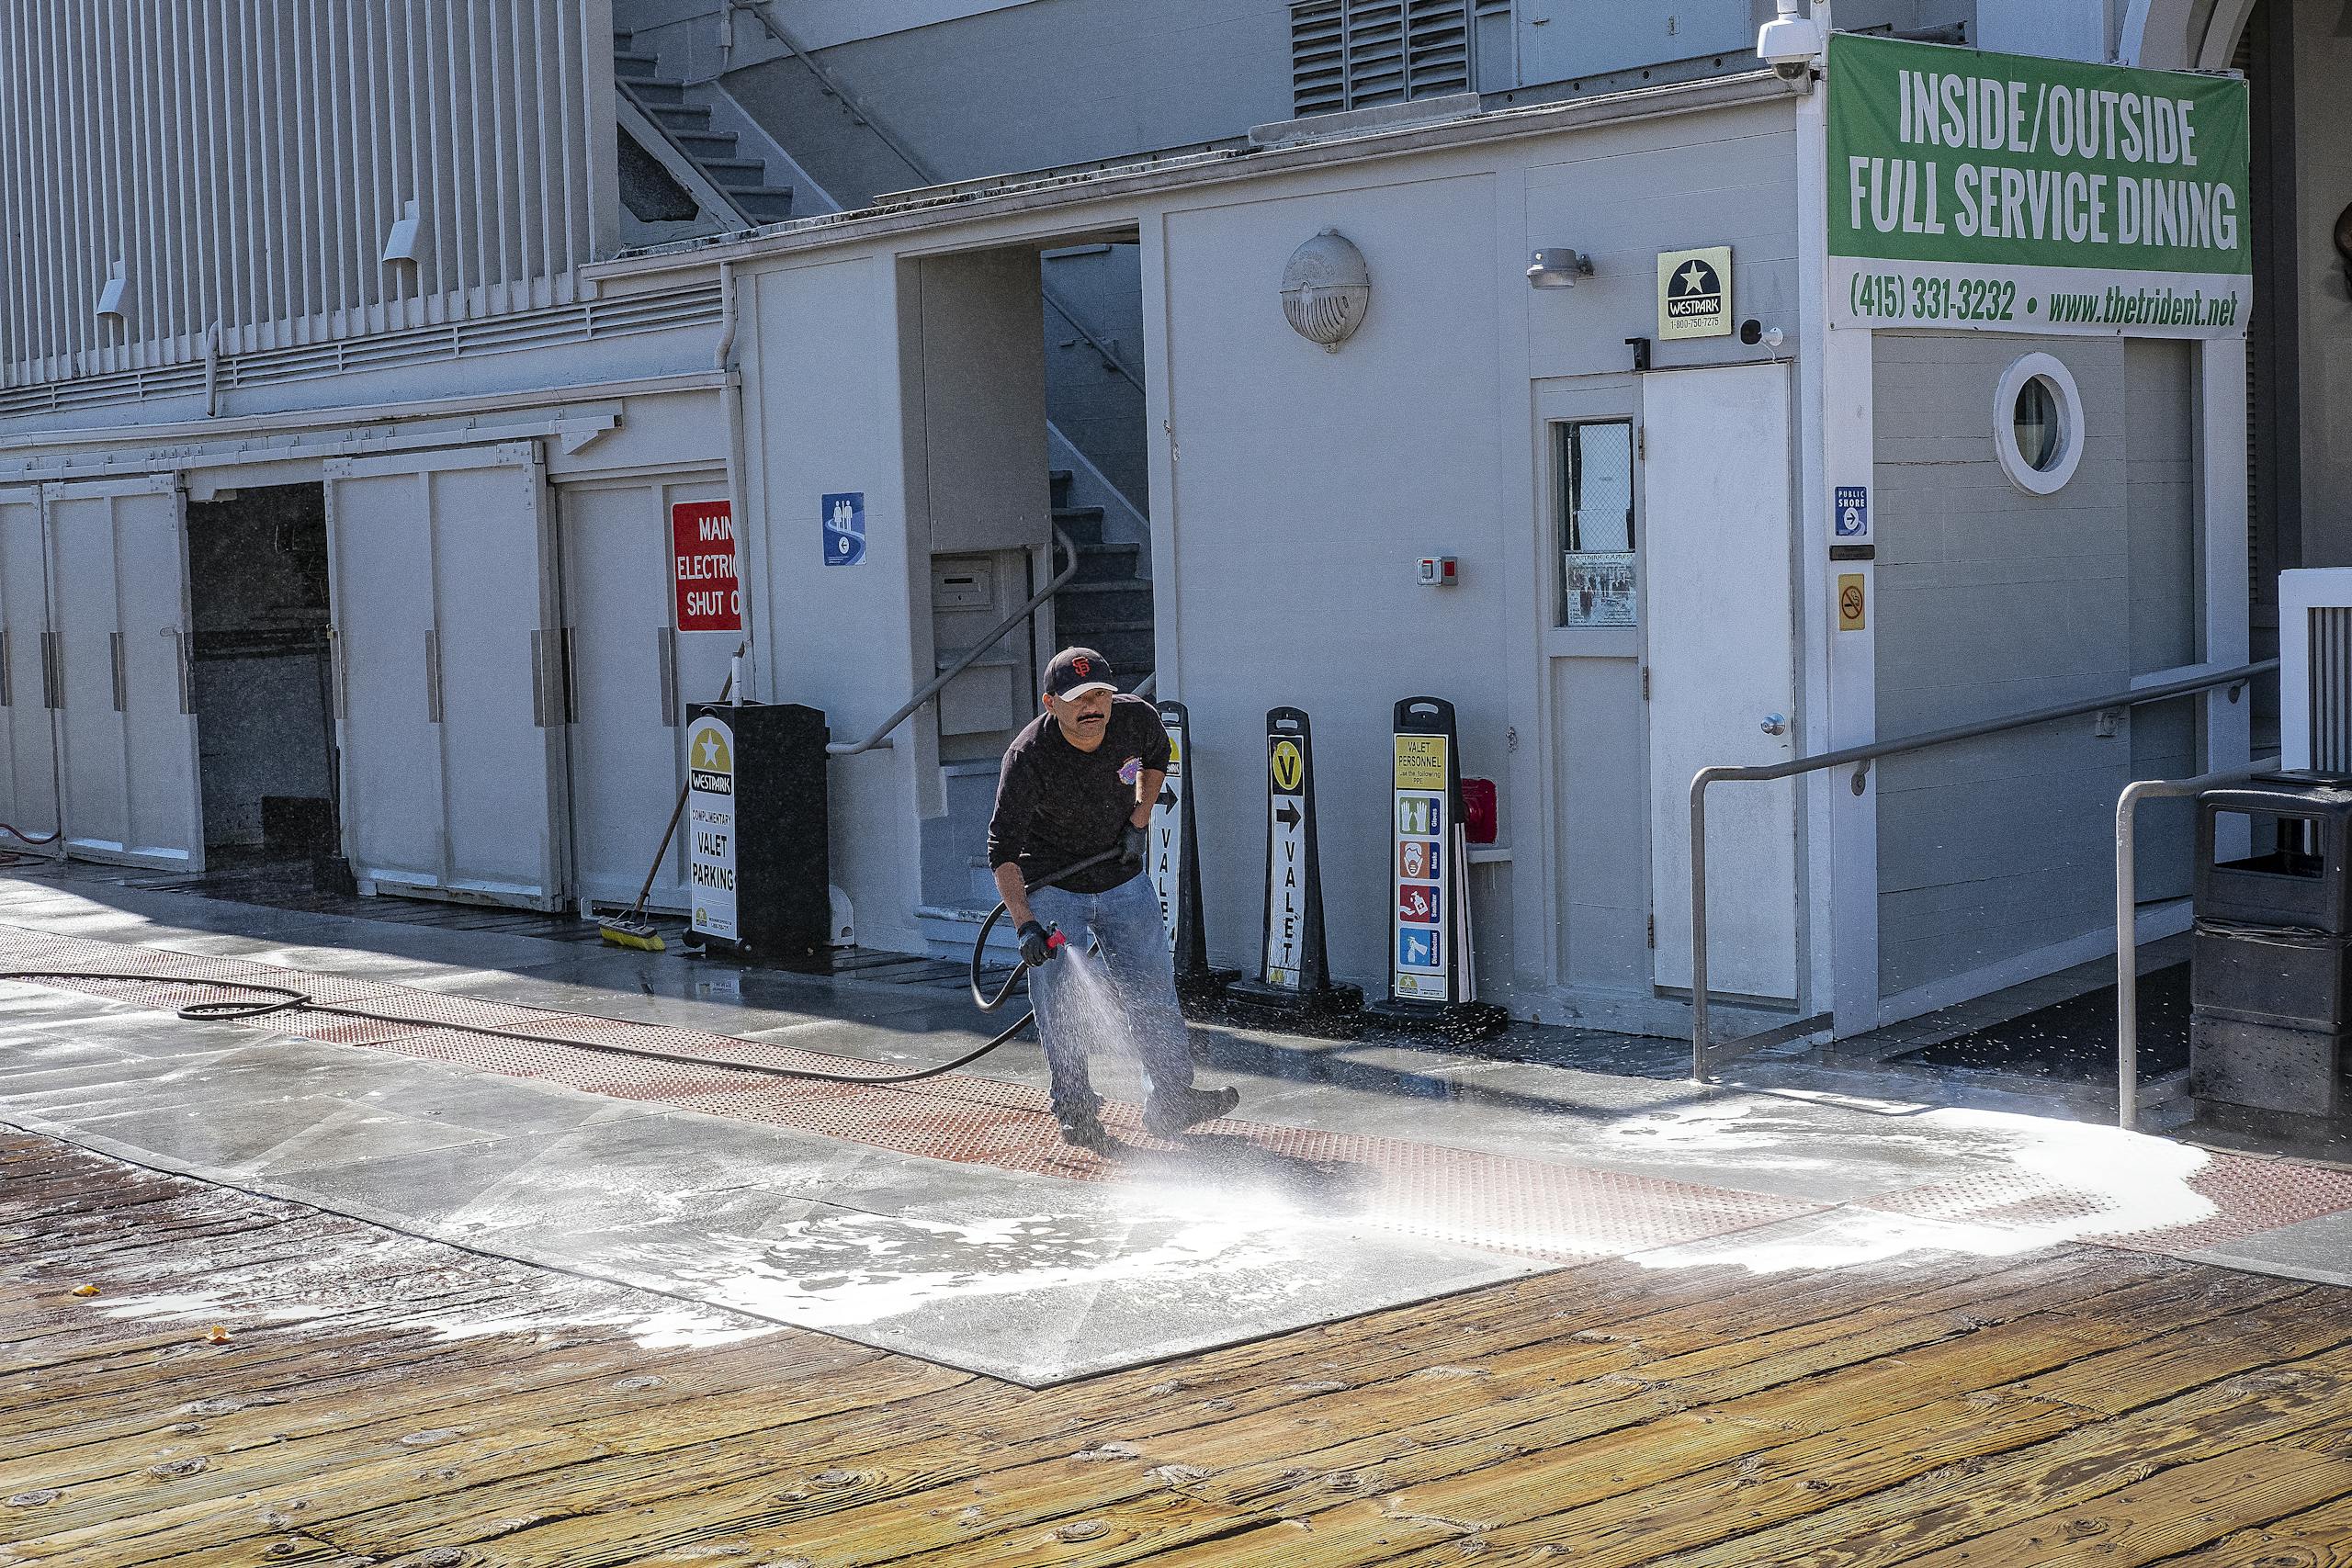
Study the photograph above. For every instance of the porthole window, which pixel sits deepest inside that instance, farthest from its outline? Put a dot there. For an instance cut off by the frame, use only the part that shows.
(2038, 424)
(2034, 423)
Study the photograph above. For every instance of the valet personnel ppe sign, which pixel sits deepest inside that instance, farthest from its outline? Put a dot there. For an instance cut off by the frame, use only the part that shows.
(710, 826)
(1422, 858)
(2010, 193)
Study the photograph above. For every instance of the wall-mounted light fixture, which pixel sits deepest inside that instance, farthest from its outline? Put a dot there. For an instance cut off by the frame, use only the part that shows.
(1557, 267)
(1326, 290)
(111, 311)
(400, 245)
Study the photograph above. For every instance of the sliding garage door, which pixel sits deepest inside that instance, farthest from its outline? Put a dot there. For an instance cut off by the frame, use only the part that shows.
(447, 674)
(117, 560)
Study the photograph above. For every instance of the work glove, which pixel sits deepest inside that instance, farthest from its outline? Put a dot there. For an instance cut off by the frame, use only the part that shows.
(1037, 945)
(1135, 844)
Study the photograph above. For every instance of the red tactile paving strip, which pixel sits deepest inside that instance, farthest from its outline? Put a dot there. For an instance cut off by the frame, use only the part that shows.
(1492, 1201)
(2248, 1197)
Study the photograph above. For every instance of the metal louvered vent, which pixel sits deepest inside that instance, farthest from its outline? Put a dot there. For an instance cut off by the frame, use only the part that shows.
(2330, 654)
(1352, 54)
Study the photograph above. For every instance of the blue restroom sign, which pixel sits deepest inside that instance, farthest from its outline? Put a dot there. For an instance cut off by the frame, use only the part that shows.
(1853, 512)
(845, 522)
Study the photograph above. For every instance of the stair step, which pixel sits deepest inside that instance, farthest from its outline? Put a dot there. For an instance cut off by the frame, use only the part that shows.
(1108, 563)
(1119, 602)
(769, 204)
(681, 117)
(1082, 524)
(748, 172)
(1059, 481)
(1130, 649)
(628, 63)
(702, 146)
(654, 93)
(1101, 635)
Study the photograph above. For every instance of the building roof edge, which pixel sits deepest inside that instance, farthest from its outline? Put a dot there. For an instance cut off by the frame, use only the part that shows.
(974, 201)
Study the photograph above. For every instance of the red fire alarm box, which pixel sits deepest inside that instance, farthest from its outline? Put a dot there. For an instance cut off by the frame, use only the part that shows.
(1479, 810)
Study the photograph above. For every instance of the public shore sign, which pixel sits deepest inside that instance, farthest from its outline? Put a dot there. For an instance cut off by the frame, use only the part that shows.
(2010, 193)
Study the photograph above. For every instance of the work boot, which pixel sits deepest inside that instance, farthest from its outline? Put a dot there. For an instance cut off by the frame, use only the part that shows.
(1170, 1115)
(1082, 1129)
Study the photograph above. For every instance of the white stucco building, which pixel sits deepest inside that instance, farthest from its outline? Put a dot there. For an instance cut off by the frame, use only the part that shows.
(363, 486)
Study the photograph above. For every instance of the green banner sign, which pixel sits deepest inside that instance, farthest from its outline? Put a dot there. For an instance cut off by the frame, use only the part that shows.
(2013, 193)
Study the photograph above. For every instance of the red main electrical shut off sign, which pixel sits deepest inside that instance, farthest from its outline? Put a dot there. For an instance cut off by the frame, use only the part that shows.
(710, 596)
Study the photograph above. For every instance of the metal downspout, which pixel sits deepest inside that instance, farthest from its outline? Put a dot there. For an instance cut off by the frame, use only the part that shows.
(730, 393)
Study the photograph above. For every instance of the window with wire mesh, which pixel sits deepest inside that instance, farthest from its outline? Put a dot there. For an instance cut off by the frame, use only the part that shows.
(1353, 54)
(1592, 486)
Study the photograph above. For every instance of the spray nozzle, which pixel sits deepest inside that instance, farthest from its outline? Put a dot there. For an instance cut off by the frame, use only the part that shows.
(1055, 940)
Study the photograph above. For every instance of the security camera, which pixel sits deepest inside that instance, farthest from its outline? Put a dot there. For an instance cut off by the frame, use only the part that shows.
(1789, 43)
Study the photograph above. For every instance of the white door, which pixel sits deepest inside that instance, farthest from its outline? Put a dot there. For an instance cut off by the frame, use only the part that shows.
(28, 723)
(118, 579)
(379, 553)
(631, 673)
(1596, 609)
(449, 713)
(1716, 566)
(502, 730)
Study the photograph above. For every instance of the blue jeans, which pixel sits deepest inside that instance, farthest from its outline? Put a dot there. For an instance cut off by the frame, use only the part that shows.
(1125, 921)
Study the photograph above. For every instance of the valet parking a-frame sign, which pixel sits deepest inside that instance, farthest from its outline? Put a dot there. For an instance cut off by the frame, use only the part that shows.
(2010, 193)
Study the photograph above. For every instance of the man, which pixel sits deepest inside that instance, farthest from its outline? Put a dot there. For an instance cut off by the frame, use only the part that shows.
(1079, 780)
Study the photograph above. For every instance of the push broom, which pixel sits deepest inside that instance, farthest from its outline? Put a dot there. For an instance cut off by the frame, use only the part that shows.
(633, 929)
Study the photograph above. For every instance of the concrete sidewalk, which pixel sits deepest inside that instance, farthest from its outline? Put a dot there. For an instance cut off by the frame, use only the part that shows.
(947, 1221)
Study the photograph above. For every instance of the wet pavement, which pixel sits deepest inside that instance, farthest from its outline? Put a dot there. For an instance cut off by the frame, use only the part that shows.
(946, 1220)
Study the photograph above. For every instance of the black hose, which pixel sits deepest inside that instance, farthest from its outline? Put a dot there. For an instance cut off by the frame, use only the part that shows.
(286, 999)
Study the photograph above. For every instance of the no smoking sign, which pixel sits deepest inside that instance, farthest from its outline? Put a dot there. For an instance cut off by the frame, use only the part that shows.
(1853, 602)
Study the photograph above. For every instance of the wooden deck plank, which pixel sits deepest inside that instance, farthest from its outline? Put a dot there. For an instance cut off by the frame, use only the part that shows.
(2321, 1538)
(1939, 1511)
(1275, 1483)
(2173, 1511)
(1254, 1463)
(2084, 1404)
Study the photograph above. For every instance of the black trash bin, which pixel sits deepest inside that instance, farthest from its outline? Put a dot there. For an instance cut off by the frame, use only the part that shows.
(2270, 975)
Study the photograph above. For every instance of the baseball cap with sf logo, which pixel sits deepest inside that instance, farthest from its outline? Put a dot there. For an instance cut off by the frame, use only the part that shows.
(1076, 671)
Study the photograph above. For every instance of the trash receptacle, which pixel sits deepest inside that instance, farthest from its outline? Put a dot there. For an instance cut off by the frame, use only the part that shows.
(2271, 957)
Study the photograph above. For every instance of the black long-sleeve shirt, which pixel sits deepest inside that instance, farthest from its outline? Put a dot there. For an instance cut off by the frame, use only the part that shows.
(1056, 804)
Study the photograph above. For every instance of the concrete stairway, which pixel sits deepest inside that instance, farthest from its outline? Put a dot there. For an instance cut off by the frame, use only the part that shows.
(677, 109)
(1107, 606)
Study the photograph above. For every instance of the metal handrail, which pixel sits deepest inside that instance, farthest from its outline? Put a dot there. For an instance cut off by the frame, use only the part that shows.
(2126, 921)
(1863, 756)
(939, 682)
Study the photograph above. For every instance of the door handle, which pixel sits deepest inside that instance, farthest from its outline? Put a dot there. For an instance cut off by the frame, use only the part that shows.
(539, 680)
(53, 673)
(186, 668)
(7, 675)
(665, 659)
(114, 652)
(570, 681)
(1775, 724)
(432, 676)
